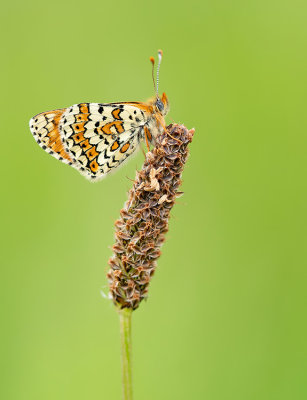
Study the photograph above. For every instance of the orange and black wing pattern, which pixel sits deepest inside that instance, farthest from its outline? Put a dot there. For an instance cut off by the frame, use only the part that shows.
(92, 137)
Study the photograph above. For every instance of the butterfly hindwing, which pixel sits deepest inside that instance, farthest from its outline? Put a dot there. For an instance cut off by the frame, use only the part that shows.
(99, 137)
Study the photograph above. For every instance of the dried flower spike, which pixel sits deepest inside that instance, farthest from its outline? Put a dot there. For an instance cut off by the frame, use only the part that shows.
(144, 219)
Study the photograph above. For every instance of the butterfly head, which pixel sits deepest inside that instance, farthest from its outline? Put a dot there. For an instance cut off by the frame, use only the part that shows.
(162, 104)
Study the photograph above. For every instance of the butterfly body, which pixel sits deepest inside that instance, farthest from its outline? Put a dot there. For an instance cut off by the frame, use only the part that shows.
(95, 138)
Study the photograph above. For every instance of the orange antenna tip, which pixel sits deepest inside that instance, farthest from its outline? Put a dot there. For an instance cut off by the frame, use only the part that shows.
(152, 60)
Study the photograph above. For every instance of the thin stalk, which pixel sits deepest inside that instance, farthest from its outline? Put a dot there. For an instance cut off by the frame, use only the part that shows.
(125, 342)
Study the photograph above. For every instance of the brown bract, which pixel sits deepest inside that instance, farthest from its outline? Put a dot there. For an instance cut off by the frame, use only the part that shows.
(140, 231)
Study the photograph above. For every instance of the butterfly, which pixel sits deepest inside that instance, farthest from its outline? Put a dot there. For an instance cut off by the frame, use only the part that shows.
(96, 138)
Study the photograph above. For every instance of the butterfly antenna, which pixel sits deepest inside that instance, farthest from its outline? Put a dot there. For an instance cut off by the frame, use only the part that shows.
(160, 53)
(152, 60)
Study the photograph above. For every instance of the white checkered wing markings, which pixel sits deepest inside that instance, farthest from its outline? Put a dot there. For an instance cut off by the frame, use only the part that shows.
(111, 130)
(44, 128)
(39, 125)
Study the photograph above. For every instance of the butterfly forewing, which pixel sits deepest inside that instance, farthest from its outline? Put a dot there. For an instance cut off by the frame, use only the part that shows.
(94, 138)
(45, 129)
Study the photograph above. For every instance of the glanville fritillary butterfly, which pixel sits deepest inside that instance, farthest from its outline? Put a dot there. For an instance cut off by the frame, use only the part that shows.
(96, 138)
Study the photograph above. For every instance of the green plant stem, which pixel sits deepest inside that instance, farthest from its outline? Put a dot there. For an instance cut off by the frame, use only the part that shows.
(125, 342)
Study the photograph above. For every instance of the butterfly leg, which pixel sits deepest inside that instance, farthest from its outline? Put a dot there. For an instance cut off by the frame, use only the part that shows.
(166, 131)
(144, 154)
(148, 137)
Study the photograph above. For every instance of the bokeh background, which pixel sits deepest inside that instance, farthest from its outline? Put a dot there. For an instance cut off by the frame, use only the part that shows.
(226, 314)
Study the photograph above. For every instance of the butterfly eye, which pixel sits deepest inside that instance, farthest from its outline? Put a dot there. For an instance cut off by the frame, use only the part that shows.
(159, 104)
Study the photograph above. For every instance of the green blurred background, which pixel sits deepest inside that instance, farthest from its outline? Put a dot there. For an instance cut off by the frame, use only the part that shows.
(226, 314)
